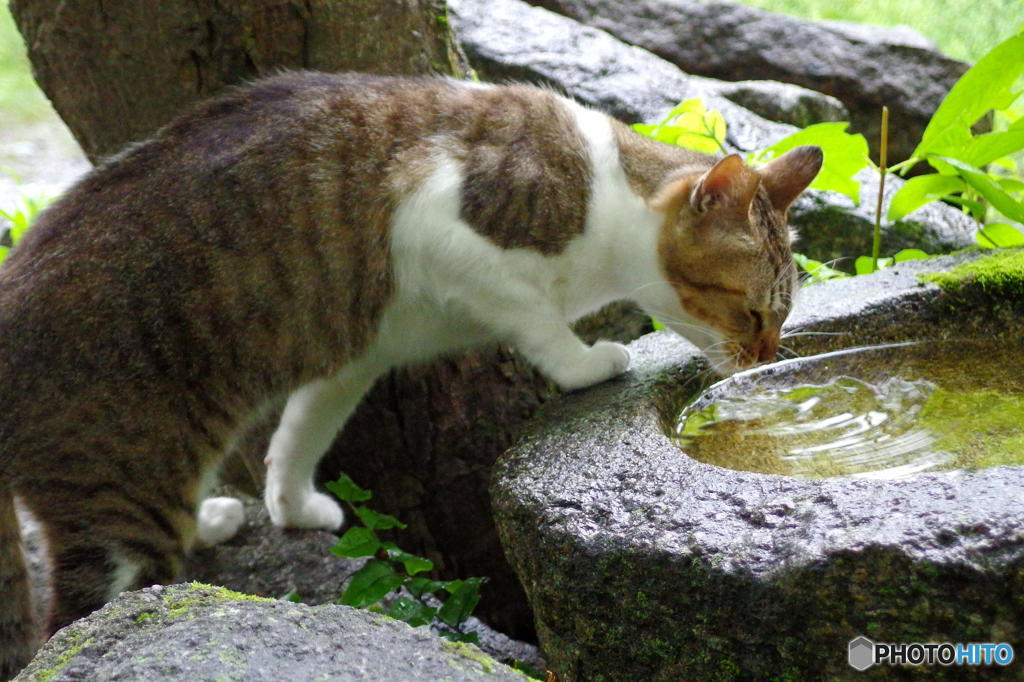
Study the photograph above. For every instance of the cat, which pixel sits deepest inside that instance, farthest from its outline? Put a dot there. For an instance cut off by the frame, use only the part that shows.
(302, 235)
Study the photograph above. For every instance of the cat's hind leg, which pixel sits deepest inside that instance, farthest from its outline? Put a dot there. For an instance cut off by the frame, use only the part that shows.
(92, 560)
(312, 418)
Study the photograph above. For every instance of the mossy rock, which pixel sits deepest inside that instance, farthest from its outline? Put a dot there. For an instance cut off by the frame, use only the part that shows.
(198, 632)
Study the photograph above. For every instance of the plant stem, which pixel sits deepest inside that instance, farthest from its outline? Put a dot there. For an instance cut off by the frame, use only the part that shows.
(883, 153)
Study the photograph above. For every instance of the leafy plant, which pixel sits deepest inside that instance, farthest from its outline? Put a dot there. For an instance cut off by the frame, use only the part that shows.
(995, 198)
(19, 219)
(845, 155)
(975, 171)
(390, 568)
(689, 125)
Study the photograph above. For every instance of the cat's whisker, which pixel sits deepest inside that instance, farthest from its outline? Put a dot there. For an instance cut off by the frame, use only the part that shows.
(789, 335)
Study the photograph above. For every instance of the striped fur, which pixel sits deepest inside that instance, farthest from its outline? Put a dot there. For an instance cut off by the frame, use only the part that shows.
(303, 235)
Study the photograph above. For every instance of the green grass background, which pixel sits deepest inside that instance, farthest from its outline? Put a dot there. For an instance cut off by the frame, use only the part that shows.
(965, 29)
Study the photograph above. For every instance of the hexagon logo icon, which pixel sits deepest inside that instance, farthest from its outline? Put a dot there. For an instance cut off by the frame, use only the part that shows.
(862, 653)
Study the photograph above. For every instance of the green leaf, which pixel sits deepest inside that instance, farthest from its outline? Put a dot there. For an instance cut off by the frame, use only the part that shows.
(920, 190)
(689, 125)
(371, 583)
(356, 542)
(292, 596)
(999, 235)
(421, 586)
(982, 150)
(412, 612)
(461, 602)
(987, 187)
(699, 142)
(376, 520)
(976, 209)
(467, 637)
(1011, 185)
(864, 265)
(909, 254)
(715, 123)
(818, 271)
(845, 156)
(346, 489)
(658, 326)
(413, 564)
(987, 85)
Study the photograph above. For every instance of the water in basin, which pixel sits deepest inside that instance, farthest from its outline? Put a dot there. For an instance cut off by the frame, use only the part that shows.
(878, 412)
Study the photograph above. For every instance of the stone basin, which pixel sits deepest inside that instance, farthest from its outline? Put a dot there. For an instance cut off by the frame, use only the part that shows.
(642, 563)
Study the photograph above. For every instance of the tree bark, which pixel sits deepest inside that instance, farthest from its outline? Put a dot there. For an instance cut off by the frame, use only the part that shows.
(116, 71)
(425, 438)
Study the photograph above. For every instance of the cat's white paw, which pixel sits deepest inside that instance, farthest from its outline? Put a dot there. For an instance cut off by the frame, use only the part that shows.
(309, 509)
(604, 360)
(219, 519)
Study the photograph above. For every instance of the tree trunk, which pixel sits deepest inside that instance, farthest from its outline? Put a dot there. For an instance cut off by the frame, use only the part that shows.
(425, 438)
(117, 71)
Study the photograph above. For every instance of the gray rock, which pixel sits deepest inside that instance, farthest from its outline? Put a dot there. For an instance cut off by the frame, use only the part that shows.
(833, 229)
(641, 563)
(268, 561)
(783, 103)
(265, 561)
(509, 39)
(864, 68)
(197, 632)
(887, 35)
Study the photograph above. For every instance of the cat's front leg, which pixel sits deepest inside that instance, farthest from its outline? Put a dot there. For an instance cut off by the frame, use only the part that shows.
(312, 418)
(557, 352)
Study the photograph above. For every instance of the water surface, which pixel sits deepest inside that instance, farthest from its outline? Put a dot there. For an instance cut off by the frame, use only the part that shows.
(880, 412)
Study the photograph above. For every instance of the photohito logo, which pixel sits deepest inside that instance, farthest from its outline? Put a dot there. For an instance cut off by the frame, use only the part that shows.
(863, 653)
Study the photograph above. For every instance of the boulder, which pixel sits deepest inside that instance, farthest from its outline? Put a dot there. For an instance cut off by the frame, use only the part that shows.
(642, 563)
(198, 632)
(509, 39)
(863, 68)
(267, 561)
(782, 102)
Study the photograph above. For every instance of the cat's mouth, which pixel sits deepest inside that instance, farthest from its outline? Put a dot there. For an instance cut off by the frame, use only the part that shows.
(729, 357)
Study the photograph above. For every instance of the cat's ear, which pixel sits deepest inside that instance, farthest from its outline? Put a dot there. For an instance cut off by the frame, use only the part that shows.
(729, 185)
(788, 175)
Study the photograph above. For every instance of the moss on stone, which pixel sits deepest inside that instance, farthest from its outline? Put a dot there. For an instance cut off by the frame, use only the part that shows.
(1001, 273)
(63, 659)
(178, 602)
(475, 654)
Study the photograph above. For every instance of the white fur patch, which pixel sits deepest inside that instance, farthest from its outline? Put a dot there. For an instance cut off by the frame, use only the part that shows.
(219, 519)
(124, 575)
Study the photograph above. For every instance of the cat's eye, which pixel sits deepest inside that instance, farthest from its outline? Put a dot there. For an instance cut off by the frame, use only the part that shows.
(758, 320)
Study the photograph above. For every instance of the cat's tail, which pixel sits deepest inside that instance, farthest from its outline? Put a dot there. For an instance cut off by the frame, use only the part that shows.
(18, 641)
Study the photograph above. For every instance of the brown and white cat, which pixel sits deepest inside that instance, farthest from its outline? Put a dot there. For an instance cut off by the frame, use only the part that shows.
(300, 237)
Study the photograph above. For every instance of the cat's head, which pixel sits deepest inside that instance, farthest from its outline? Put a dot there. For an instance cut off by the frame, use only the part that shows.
(724, 250)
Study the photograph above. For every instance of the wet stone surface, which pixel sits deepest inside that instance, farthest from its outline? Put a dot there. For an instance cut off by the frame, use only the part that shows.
(198, 632)
(642, 563)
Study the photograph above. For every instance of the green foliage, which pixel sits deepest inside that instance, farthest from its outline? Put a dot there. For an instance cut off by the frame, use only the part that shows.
(391, 568)
(21, 100)
(816, 270)
(993, 197)
(845, 156)
(19, 219)
(689, 125)
(963, 29)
